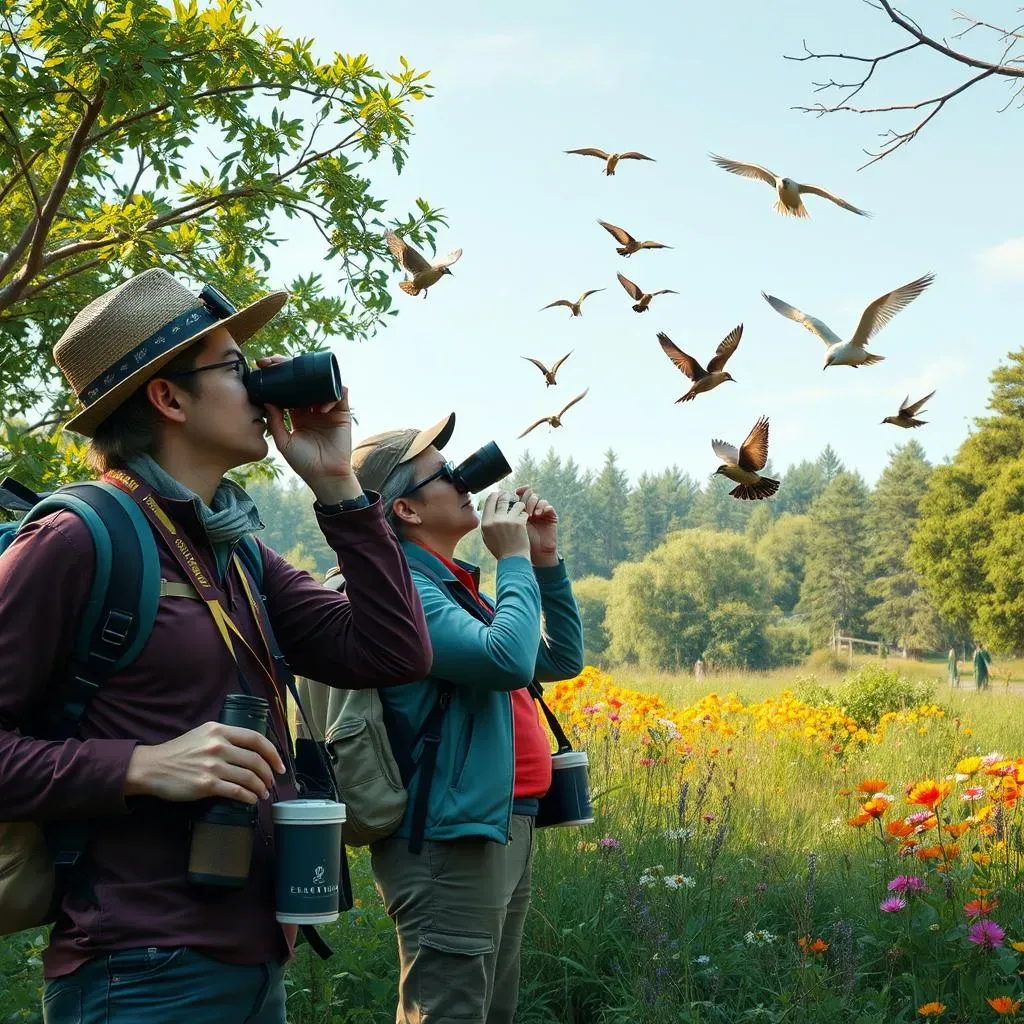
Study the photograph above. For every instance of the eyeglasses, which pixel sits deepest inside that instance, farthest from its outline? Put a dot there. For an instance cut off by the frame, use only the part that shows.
(239, 363)
(446, 473)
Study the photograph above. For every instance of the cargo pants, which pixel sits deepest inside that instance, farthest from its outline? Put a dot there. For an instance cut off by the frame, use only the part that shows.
(459, 908)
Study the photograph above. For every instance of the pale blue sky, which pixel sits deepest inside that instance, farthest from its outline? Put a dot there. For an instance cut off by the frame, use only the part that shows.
(518, 83)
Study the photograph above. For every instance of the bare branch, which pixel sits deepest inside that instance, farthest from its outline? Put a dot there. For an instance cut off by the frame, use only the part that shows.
(26, 171)
(49, 282)
(130, 191)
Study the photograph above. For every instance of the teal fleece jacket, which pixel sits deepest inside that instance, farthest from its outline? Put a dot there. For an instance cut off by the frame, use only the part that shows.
(471, 794)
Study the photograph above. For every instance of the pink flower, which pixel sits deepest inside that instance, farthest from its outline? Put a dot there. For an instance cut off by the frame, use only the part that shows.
(591, 709)
(893, 905)
(918, 818)
(608, 843)
(907, 883)
(647, 762)
(986, 934)
(973, 793)
(708, 817)
(613, 717)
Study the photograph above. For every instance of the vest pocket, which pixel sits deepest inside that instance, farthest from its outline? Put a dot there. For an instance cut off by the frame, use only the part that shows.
(462, 752)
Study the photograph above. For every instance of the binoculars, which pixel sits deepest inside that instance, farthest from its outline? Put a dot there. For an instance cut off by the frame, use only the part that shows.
(486, 466)
(310, 379)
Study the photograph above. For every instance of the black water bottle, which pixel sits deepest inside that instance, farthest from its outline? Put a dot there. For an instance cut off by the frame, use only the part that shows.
(222, 834)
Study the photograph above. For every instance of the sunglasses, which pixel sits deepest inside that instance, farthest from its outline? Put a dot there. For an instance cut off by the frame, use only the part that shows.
(447, 473)
(238, 361)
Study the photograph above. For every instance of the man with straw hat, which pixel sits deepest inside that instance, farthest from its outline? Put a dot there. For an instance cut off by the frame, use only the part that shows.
(160, 374)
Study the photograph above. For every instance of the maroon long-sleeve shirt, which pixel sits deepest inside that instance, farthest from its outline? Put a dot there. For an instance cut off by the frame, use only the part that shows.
(372, 635)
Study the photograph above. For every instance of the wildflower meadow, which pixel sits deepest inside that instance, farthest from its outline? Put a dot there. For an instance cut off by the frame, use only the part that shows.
(845, 851)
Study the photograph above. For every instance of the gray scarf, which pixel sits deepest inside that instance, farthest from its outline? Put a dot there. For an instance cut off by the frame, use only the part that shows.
(230, 516)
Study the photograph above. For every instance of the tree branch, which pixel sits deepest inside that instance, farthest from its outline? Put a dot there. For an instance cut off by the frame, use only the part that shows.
(49, 282)
(26, 171)
(34, 236)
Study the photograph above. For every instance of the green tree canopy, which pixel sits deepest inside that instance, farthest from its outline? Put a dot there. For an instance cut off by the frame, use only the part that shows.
(105, 109)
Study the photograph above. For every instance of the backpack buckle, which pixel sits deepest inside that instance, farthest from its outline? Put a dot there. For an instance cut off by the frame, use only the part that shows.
(115, 629)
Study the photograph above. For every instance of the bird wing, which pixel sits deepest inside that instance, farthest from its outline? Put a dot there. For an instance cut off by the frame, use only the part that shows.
(754, 451)
(557, 302)
(407, 256)
(726, 452)
(913, 410)
(448, 260)
(885, 307)
(746, 170)
(533, 426)
(817, 190)
(622, 236)
(725, 350)
(570, 404)
(664, 291)
(590, 291)
(813, 324)
(590, 151)
(554, 369)
(634, 155)
(682, 361)
(536, 362)
(633, 290)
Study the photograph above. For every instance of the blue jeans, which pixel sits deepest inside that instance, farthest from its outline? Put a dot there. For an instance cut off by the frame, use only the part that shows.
(165, 986)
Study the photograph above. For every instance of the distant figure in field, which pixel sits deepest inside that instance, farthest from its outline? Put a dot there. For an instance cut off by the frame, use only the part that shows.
(953, 668)
(982, 660)
(698, 669)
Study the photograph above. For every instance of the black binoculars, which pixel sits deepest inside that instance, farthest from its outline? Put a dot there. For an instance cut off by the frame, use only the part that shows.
(310, 379)
(484, 467)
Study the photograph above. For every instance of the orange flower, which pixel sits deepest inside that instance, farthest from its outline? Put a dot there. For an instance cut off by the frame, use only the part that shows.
(1019, 946)
(876, 806)
(899, 828)
(929, 852)
(845, 792)
(931, 1009)
(871, 786)
(980, 908)
(817, 946)
(859, 820)
(929, 793)
(1004, 1005)
(956, 831)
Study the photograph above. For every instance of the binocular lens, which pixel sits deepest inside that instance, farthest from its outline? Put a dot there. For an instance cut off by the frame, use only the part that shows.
(310, 379)
(484, 467)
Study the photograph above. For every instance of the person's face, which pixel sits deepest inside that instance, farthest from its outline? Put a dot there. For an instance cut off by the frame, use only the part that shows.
(219, 419)
(437, 507)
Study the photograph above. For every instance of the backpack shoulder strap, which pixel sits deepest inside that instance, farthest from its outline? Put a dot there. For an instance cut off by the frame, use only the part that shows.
(125, 592)
(252, 558)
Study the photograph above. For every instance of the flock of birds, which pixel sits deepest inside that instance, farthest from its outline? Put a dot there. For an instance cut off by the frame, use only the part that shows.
(741, 465)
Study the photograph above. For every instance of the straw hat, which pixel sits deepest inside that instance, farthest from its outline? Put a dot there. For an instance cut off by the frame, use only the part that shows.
(375, 458)
(121, 339)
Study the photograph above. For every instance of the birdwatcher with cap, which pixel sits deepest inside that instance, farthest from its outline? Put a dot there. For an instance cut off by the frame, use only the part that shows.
(454, 874)
(141, 934)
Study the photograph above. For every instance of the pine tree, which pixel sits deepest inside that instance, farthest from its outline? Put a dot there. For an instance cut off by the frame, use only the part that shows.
(801, 484)
(834, 591)
(609, 497)
(783, 552)
(904, 613)
(830, 465)
(646, 517)
(714, 509)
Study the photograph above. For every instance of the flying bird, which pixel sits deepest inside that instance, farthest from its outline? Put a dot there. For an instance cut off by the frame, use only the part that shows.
(627, 243)
(788, 190)
(576, 306)
(905, 417)
(611, 159)
(703, 380)
(556, 419)
(744, 466)
(643, 299)
(549, 375)
(872, 320)
(422, 273)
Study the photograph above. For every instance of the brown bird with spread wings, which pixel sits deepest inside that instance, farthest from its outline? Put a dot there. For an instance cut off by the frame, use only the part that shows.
(611, 159)
(556, 419)
(643, 299)
(905, 417)
(744, 466)
(422, 273)
(575, 307)
(703, 380)
(627, 243)
(549, 375)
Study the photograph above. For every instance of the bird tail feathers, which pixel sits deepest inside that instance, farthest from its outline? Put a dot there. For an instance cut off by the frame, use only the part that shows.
(408, 287)
(764, 488)
(870, 359)
(639, 307)
(789, 211)
(622, 250)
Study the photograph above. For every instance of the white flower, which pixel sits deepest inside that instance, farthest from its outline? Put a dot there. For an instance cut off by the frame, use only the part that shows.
(679, 882)
(991, 758)
(679, 833)
(702, 960)
(761, 937)
(673, 730)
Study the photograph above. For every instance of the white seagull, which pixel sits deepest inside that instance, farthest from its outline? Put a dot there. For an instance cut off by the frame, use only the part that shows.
(788, 190)
(872, 320)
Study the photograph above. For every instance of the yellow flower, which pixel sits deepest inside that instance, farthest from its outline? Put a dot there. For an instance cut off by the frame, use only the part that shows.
(1019, 946)
(969, 765)
(931, 1009)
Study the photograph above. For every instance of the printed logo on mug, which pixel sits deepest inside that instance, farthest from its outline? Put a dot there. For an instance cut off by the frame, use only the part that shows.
(307, 842)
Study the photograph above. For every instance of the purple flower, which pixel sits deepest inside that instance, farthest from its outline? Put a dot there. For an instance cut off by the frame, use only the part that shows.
(919, 818)
(893, 905)
(986, 934)
(608, 843)
(907, 883)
